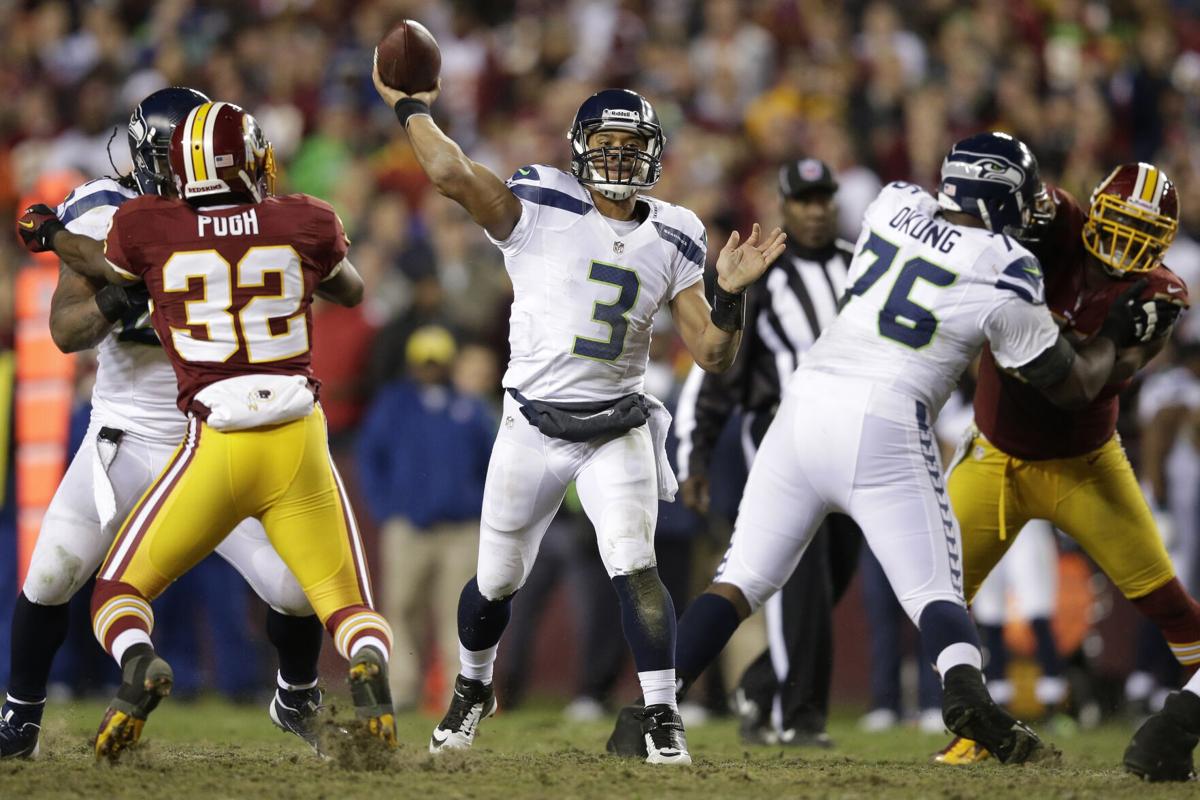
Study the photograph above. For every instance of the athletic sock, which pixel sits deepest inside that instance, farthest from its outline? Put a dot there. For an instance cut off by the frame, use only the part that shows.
(948, 637)
(658, 687)
(481, 623)
(1046, 647)
(1177, 615)
(704, 629)
(297, 641)
(996, 665)
(37, 633)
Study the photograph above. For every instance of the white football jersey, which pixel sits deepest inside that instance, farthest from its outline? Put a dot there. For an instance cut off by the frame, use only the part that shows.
(135, 386)
(584, 295)
(925, 295)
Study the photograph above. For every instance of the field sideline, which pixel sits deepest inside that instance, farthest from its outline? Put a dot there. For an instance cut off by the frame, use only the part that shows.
(216, 751)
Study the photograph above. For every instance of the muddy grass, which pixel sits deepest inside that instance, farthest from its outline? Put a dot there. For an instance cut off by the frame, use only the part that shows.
(214, 751)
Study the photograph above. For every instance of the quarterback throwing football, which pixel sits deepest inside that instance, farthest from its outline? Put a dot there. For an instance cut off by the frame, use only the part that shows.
(591, 261)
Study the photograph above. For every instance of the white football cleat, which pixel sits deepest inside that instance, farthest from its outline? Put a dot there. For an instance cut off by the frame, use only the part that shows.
(473, 701)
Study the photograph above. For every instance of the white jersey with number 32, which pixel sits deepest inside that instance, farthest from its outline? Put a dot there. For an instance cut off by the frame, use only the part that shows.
(585, 293)
(926, 295)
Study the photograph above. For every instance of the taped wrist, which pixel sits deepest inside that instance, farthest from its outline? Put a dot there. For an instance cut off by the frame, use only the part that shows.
(409, 107)
(47, 231)
(113, 302)
(729, 310)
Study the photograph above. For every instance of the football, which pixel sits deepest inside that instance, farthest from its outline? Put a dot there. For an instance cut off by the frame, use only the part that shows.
(408, 58)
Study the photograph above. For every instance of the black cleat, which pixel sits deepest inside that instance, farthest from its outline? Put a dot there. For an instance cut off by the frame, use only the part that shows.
(298, 712)
(969, 711)
(473, 702)
(18, 737)
(1161, 750)
(662, 728)
(627, 740)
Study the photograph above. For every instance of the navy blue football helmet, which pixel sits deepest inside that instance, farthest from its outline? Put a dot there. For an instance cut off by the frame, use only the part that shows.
(150, 127)
(994, 177)
(616, 172)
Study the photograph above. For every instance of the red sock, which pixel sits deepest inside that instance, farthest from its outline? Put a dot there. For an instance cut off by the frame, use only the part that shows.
(1177, 615)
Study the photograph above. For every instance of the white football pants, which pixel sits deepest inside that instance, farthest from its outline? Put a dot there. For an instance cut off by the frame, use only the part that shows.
(527, 478)
(842, 444)
(73, 540)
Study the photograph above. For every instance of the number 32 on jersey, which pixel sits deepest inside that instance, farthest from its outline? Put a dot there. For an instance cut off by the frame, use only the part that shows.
(252, 324)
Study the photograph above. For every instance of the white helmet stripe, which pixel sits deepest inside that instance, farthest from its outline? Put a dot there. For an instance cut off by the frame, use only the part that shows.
(209, 146)
(187, 144)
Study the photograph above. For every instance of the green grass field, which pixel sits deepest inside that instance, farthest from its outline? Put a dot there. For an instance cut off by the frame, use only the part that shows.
(215, 751)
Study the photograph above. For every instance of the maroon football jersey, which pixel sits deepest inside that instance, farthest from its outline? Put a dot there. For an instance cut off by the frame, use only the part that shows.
(231, 286)
(1016, 417)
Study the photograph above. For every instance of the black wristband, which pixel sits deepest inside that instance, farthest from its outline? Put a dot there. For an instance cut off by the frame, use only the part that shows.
(113, 302)
(47, 231)
(729, 310)
(408, 107)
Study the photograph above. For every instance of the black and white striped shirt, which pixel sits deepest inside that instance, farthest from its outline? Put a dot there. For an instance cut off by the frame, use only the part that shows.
(786, 311)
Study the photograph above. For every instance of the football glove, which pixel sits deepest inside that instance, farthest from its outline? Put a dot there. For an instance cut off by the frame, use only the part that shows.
(37, 226)
(1129, 321)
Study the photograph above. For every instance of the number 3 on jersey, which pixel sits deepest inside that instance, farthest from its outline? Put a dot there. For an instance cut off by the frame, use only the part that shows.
(213, 310)
(901, 319)
(615, 314)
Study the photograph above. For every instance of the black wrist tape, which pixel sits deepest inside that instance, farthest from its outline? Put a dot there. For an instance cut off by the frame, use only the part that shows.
(113, 302)
(729, 310)
(47, 231)
(408, 107)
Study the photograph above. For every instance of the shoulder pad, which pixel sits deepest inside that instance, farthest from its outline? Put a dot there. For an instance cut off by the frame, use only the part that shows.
(91, 195)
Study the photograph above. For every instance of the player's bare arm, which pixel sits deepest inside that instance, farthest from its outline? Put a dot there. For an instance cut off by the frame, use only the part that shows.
(76, 321)
(41, 231)
(344, 286)
(476, 188)
(713, 343)
(1072, 378)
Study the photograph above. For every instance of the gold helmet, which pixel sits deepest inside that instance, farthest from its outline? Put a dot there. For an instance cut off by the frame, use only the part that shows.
(1132, 219)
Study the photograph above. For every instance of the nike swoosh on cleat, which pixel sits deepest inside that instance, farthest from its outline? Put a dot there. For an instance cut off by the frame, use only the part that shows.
(28, 225)
(439, 740)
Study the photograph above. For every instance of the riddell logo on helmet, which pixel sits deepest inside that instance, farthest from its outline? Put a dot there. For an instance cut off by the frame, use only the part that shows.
(619, 113)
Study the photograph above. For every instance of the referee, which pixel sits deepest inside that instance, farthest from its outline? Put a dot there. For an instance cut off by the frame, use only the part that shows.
(783, 698)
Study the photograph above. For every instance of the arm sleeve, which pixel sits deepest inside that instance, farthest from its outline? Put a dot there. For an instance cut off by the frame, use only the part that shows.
(1019, 332)
(93, 223)
(120, 251)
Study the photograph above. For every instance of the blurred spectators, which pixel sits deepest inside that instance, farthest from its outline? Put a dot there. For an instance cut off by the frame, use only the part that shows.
(422, 458)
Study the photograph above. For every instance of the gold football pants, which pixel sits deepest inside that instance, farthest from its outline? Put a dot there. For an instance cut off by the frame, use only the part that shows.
(1094, 498)
(283, 475)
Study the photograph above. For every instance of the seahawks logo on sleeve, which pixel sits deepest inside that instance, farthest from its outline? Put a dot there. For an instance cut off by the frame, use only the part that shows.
(1024, 278)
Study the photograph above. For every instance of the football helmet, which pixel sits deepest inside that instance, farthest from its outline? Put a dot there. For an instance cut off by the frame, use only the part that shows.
(219, 149)
(150, 127)
(994, 177)
(1133, 218)
(616, 172)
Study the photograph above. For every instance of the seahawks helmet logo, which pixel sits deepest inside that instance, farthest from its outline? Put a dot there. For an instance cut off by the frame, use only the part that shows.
(983, 168)
(138, 128)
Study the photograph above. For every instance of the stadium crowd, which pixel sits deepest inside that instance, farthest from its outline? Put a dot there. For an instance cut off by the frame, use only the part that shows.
(878, 90)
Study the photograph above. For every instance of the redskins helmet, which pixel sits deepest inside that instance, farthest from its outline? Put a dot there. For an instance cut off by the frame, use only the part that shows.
(1132, 219)
(219, 149)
